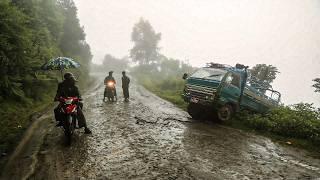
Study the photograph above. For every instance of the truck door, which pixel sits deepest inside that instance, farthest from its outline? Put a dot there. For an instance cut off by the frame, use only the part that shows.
(230, 92)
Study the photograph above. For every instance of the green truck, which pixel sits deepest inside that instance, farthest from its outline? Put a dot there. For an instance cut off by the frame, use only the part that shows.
(224, 90)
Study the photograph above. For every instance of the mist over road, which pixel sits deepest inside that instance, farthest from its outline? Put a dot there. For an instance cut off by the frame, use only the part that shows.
(149, 138)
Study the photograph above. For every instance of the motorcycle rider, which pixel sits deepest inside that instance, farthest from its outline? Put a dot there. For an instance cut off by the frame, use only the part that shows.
(67, 88)
(108, 79)
(125, 85)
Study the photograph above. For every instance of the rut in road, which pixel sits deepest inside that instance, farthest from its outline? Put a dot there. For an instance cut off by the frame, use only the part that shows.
(149, 138)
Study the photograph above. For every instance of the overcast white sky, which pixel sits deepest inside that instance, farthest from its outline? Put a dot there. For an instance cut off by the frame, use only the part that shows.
(284, 33)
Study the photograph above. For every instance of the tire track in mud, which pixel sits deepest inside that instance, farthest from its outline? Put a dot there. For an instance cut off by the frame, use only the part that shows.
(149, 138)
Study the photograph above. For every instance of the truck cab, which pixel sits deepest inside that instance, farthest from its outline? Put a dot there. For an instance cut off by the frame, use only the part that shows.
(224, 90)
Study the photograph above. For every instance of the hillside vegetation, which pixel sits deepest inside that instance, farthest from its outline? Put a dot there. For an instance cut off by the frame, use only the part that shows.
(32, 33)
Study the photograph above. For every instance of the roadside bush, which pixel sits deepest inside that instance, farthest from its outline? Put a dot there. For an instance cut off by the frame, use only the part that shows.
(167, 88)
(37, 89)
(259, 123)
(297, 121)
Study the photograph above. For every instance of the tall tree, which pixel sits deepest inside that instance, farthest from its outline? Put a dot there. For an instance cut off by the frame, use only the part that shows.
(264, 74)
(72, 42)
(316, 85)
(32, 32)
(14, 49)
(146, 40)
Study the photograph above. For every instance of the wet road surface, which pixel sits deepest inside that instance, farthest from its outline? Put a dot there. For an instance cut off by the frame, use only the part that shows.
(149, 138)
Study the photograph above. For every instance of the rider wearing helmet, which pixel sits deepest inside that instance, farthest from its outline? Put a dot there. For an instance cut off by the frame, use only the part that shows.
(67, 88)
(108, 79)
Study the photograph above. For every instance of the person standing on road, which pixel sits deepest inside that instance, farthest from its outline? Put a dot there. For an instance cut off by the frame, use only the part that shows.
(125, 85)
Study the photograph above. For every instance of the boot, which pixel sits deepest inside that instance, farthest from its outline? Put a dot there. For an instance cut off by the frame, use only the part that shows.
(59, 124)
(87, 131)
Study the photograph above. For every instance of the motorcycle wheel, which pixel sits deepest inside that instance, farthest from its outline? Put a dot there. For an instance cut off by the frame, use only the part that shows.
(68, 129)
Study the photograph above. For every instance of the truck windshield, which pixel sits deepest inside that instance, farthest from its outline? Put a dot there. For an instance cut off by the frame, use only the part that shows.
(206, 73)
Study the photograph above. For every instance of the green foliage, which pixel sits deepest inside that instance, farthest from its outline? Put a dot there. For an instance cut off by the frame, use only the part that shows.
(156, 72)
(316, 85)
(168, 89)
(15, 117)
(145, 50)
(264, 74)
(13, 46)
(300, 121)
(33, 32)
(72, 41)
(164, 78)
(173, 67)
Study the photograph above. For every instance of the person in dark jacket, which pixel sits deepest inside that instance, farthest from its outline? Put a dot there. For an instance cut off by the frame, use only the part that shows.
(125, 85)
(110, 78)
(67, 88)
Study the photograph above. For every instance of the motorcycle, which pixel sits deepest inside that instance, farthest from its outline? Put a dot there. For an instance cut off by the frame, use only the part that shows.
(69, 108)
(110, 91)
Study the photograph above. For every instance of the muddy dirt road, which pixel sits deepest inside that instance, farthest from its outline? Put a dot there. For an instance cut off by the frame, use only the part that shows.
(149, 138)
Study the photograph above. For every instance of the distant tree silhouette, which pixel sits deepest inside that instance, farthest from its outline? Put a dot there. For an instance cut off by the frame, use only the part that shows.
(112, 63)
(316, 85)
(145, 39)
(263, 74)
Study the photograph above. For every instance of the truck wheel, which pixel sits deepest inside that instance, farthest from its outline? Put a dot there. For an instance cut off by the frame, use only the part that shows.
(195, 111)
(225, 113)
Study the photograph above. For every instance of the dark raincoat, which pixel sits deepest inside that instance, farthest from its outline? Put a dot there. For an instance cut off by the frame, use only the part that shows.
(68, 88)
(125, 86)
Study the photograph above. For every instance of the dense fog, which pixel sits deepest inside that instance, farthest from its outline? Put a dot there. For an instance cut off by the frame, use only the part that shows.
(282, 33)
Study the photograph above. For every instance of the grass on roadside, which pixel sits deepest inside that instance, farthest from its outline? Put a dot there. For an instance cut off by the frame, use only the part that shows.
(298, 124)
(15, 115)
(168, 89)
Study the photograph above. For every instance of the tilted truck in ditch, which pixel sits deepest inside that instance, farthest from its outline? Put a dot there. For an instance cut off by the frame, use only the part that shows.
(224, 90)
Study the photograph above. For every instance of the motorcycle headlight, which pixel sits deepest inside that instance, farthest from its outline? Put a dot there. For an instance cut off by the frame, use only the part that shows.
(110, 83)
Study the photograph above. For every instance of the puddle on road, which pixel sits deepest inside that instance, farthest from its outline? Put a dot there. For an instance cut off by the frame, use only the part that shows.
(271, 151)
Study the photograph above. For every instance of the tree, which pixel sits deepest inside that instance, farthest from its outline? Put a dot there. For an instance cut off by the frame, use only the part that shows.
(14, 49)
(32, 32)
(145, 49)
(264, 74)
(72, 42)
(112, 63)
(316, 85)
(170, 67)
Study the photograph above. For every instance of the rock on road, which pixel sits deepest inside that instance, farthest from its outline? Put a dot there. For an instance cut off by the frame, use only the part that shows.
(149, 138)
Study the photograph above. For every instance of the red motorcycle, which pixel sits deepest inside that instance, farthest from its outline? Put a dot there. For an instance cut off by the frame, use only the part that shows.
(69, 108)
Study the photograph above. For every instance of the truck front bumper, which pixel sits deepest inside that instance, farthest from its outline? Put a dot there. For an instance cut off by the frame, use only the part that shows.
(206, 101)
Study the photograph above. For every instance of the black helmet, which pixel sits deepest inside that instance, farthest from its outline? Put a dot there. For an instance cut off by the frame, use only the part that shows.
(69, 76)
(123, 72)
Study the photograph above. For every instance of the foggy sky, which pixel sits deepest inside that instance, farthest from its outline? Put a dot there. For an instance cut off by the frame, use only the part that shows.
(284, 33)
